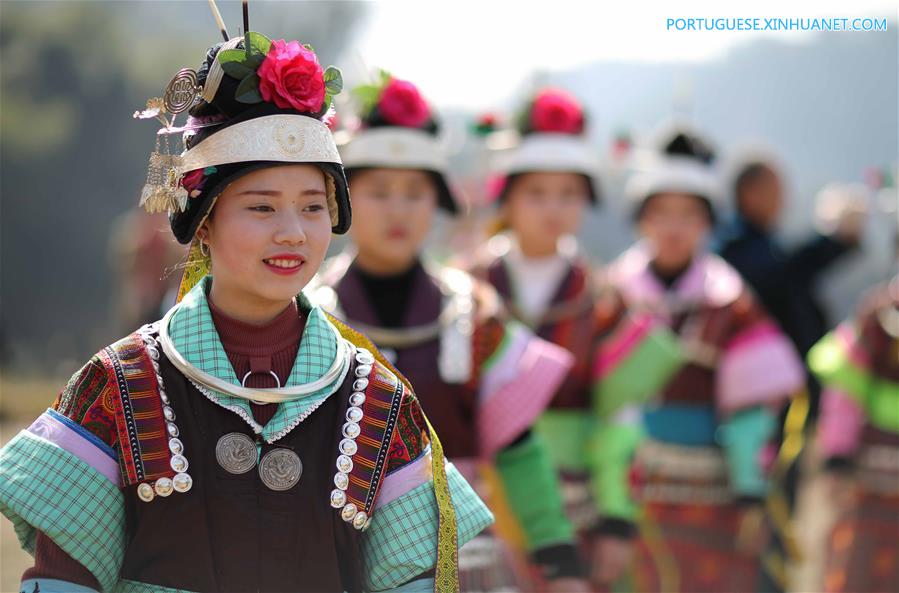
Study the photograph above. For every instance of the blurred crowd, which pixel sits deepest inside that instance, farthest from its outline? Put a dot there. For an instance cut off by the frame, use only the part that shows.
(678, 459)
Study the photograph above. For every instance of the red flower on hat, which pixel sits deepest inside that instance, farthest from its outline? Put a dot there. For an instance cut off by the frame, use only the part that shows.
(331, 119)
(401, 104)
(291, 77)
(556, 111)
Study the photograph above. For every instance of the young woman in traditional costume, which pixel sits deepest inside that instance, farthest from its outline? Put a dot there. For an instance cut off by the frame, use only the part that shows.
(545, 185)
(858, 436)
(484, 380)
(699, 468)
(247, 441)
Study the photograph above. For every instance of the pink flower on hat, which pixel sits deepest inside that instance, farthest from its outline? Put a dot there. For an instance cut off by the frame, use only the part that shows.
(401, 104)
(291, 77)
(555, 110)
(495, 186)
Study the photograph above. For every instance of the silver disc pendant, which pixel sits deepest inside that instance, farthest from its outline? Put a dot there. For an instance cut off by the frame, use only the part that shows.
(236, 453)
(280, 469)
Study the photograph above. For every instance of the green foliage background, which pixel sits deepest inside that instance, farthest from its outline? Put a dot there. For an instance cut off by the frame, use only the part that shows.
(72, 159)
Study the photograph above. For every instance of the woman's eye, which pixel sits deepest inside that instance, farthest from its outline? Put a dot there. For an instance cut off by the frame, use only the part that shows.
(315, 208)
(262, 208)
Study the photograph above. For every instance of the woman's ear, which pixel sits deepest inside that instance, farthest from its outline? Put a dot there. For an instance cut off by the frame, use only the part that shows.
(503, 211)
(203, 232)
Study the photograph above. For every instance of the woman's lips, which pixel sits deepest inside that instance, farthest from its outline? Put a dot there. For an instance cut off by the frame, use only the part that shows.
(397, 234)
(284, 265)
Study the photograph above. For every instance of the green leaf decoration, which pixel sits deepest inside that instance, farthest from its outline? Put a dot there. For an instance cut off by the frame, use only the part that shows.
(309, 47)
(367, 96)
(231, 55)
(238, 70)
(333, 81)
(237, 64)
(255, 61)
(257, 44)
(248, 90)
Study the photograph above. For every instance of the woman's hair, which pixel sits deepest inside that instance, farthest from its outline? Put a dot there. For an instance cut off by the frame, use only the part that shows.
(434, 177)
(689, 145)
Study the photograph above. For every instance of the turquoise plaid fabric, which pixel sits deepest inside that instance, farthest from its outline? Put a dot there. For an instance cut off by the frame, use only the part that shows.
(401, 542)
(53, 586)
(194, 335)
(124, 586)
(45, 488)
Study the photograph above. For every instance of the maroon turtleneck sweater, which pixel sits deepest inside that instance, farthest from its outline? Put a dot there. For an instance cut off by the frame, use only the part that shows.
(272, 347)
(262, 349)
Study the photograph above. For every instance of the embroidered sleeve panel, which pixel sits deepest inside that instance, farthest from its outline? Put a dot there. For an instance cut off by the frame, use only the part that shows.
(487, 337)
(411, 435)
(116, 397)
(88, 399)
(141, 427)
(375, 417)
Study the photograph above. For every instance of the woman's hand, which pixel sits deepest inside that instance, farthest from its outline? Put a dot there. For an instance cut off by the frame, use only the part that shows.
(612, 556)
(753, 532)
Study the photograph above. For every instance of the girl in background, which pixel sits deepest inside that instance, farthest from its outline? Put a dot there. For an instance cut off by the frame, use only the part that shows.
(546, 183)
(486, 377)
(699, 467)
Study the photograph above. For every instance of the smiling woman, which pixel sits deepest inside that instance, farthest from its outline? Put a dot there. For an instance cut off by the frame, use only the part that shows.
(268, 235)
(208, 450)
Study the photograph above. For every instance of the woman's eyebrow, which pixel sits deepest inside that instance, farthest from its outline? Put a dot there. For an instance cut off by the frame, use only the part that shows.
(260, 192)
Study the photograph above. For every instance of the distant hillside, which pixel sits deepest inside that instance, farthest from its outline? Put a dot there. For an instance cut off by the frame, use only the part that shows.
(828, 106)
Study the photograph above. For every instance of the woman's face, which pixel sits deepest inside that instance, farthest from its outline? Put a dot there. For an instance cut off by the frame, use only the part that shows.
(268, 234)
(761, 199)
(676, 226)
(392, 213)
(541, 208)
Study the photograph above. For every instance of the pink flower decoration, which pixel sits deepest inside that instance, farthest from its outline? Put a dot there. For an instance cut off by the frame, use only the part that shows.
(495, 186)
(332, 120)
(401, 104)
(555, 110)
(291, 77)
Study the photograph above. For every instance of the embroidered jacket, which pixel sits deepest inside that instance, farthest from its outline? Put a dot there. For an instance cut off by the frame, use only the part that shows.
(121, 473)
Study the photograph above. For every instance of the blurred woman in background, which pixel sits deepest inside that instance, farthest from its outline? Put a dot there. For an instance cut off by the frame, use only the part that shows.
(858, 438)
(545, 185)
(700, 468)
(486, 379)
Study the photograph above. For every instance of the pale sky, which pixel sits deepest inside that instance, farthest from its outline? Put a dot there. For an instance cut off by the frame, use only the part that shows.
(450, 47)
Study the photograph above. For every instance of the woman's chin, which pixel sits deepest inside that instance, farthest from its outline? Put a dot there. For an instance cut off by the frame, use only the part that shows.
(282, 289)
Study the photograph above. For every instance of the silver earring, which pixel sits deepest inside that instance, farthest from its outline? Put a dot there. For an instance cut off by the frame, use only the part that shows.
(204, 249)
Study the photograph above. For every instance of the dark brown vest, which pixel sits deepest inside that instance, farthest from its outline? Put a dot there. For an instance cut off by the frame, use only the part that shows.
(231, 532)
(451, 407)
